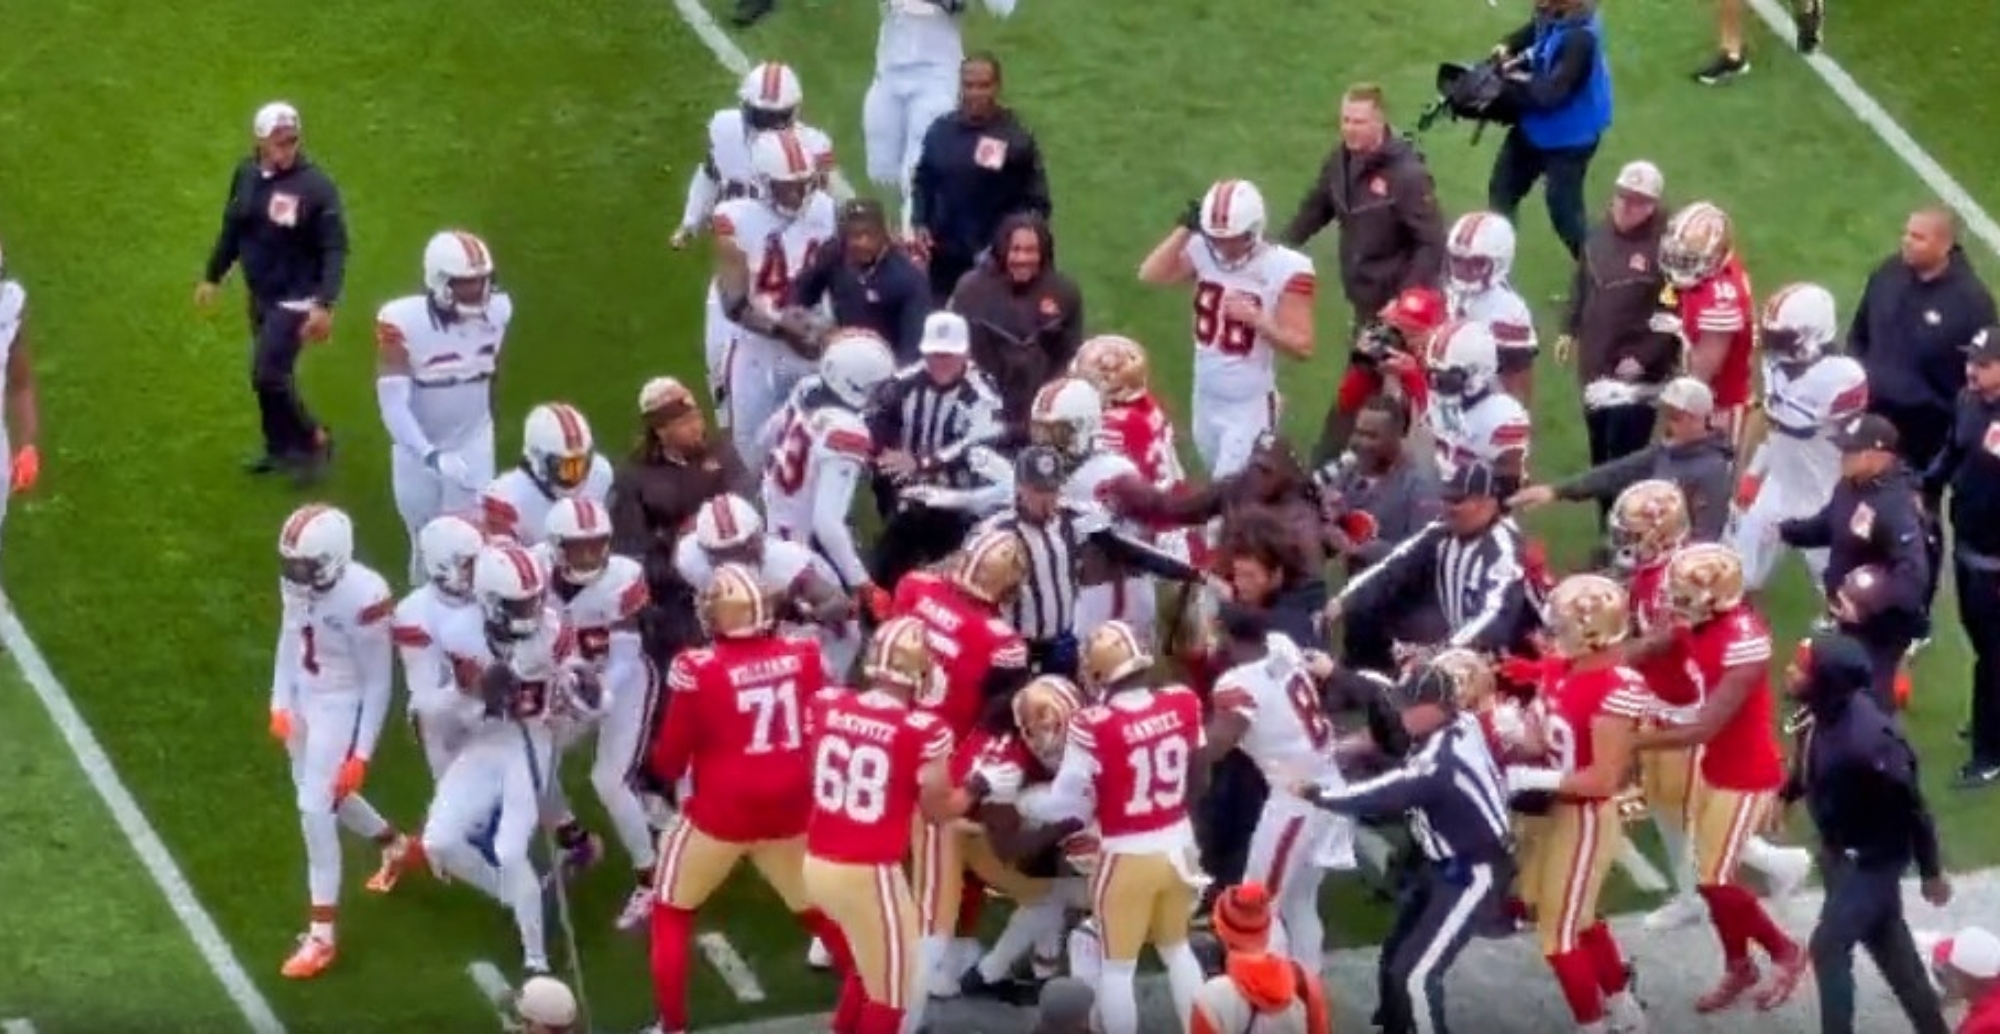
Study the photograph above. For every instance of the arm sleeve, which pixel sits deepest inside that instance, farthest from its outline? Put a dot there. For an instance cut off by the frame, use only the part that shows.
(631, 529)
(673, 745)
(1579, 290)
(923, 181)
(885, 413)
(1493, 627)
(374, 653)
(285, 668)
(810, 286)
(1130, 553)
(1923, 834)
(1384, 581)
(1572, 67)
(625, 667)
(228, 239)
(1909, 557)
(702, 193)
(1069, 793)
(1315, 210)
(1945, 466)
(915, 305)
(330, 233)
(832, 501)
(1857, 328)
(393, 394)
(1815, 532)
(1708, 495)
(1035, 195)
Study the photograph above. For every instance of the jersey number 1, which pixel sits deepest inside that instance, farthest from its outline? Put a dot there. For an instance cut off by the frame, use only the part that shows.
(308, 651)
(1159, 776)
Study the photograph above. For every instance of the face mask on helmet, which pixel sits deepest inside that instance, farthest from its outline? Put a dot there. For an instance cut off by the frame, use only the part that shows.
(1469, 272)
(454, 582)
(1231, 252)
(1785, 346)
(510, 621)
(1683, 266)
(1059, 435)
(766, 120)
(470, 294)
(583, 560)
(313, 573)
(1449, 381)
(788, 196)
(565, 473)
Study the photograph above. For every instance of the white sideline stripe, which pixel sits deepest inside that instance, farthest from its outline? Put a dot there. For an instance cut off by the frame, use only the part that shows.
(498, 992)
(735, 971)
(1891, 132)
(145, 840)
(732, 58)
(1639, 870)
(16, 1027)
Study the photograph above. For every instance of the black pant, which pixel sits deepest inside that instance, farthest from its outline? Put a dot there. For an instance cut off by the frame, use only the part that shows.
(1228, 816)
(1864, 906)
(290, 432)
(1056, 656)
(1438, 912)
(1921, 432)
(1614, 433)
(914, 537)
(946, 267)
(1517, 167)
(1979, 612)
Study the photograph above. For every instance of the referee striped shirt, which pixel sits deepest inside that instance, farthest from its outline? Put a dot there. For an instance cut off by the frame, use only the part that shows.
(936, 424)
(1479, 581)
(1449, 790)
(1046, 606)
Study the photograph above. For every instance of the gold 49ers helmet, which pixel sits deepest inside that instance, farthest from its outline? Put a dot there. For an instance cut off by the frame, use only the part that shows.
(1115, 365)
(1649, 520)
(733, 606)
(1588, 613)
(899, 656)
(991, 567)
(1697, 241)
(1111, 652)
(1042, 710)
(1473, 684)
(1703, 581)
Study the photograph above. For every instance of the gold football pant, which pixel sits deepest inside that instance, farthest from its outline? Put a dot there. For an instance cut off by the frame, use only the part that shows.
(1579, 843)
(942, 855)
(1668, 778)
(1724, 822)
(874, 909)
(693, 864)
(1140, 899)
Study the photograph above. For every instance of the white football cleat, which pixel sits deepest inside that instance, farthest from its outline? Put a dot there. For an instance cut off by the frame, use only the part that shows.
(1680, 910)
(818, 957)
(638, 910)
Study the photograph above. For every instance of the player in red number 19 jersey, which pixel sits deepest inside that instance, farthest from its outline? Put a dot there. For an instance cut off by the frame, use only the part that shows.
(1728, 648)
(1131, 756)
(735, 730)
(876, 760)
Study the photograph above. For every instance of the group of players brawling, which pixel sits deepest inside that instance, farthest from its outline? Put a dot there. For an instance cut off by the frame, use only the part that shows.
(887, 759)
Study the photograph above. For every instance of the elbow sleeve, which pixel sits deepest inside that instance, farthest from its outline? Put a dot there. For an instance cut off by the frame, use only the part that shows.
(393, 394)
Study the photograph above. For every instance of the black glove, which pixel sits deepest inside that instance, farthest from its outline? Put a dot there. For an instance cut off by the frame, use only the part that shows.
(497, 686)
(1191, 216)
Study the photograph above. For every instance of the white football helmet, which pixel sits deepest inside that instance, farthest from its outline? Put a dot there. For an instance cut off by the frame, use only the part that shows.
(771, 87)
(579, 534)
(557, 446)
(1464, 359)
(1479, 252)
(446, 548)
(509, 585)
(784, 169)
(458, 273)
(854, 364)
(315, 545)
(725, 523)
(1232, 222)
(1799, 324)
(1067, 415)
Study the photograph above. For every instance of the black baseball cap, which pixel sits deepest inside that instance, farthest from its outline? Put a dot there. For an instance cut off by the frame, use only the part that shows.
(1869, 432)
(1985, 346)
(1472, 480)
(1039, 467)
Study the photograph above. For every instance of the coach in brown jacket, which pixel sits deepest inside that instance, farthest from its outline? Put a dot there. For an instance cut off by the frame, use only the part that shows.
(1611, 304)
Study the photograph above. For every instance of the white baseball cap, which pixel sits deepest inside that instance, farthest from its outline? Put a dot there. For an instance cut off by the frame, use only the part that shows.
(661, 392)
(945, 333)
(273, 117)
(1971, 951)
(545, 1000)
(1689, 396)
(1642, 178)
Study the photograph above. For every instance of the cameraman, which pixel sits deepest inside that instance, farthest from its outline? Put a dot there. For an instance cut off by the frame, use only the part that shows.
(1559, 83)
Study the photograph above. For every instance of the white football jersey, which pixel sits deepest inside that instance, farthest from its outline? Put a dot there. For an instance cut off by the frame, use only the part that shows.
(1090, 483)
(427, 672)
(784, 564)
(1502, 309)
(1480, 433)
(1801, 409)
(820, 455)
(776, 249)
(1231, 359)
(594, 610)
(452, 363)
(1290, 737)
(516, 506)
(729, 151)
(331, 629)
(13, 312)
(541, 658)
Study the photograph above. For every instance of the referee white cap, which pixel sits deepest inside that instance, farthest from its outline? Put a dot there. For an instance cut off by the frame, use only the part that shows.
(1688, 395)
(273, 117)
(546, 1001)
(945, 333)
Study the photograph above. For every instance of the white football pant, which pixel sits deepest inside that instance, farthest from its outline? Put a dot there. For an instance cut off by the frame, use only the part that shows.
(619, 746)
(501, 768)
(323, 727)
(1754, 536)
(895, 115)
(759, 378)
(1226, 429)
(1131, 600)
(423, 496)
(1284, 849)
(441, 733)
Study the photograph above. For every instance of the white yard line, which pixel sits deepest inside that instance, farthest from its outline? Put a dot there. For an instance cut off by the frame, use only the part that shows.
(145, 840)
(1891, 132)
(16, 1027)
(721, 954)
(499, 994)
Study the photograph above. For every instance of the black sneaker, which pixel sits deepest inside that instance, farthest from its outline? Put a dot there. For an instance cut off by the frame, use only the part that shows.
(1724, 68)
(1977, 774)
(750, 12)
(1811, 22)
(264, 463)
(311, 467)
(1008, 989)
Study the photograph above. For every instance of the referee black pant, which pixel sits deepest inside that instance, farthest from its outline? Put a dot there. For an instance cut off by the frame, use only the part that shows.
(912, 537)
(1921, 433)
(1978, 586)
(1226, 819)
(290, 432)
(1864, 906)
(1440, 909)
(1521, 163)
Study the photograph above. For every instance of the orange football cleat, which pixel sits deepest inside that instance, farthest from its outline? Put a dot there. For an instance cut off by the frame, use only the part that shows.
(309, 959)
(398, 857)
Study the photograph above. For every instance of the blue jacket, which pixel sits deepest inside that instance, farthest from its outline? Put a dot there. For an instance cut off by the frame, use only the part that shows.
(1578, 116)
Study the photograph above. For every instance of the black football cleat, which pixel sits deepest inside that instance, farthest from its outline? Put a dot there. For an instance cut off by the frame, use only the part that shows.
(1977, 775)
(1724, 68)
(1811, 23)
(264, 463)
(1009, 990)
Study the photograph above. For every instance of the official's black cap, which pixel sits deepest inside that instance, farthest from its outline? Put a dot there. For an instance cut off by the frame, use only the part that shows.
(1472, 480)
(1869, 432)
(864, 211)
(1985, 346)
(1039, 467)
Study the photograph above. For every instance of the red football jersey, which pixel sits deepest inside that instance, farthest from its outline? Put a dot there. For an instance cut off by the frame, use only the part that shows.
(968, 641)
(869, 752)
(1143, 433)
(1576, 703)
(1666, 672)
(996, 748)
(735, 726)
(1745, 754)
(1141, 744)
(1722, 304)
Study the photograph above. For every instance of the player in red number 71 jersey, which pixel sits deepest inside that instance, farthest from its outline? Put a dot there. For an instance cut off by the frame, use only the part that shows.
(735, 730)
(876, 759)
(1130, 759)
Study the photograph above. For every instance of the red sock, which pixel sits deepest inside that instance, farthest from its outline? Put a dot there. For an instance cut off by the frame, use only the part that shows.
(1725, 911)
(971, 902)
(1576, 974)
(877, 1018)
(1756, 925)
(673, 933)
(847, 1009)
(1605, 957)
(830, 935)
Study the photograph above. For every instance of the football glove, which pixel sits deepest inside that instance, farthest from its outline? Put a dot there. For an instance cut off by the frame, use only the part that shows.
(281, 725)
(1191, 216)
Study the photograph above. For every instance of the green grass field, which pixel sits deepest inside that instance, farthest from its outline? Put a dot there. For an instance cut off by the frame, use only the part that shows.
(564, 134)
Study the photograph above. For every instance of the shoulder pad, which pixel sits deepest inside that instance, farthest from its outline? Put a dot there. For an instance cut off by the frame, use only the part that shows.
(500, 308)
(371, 594)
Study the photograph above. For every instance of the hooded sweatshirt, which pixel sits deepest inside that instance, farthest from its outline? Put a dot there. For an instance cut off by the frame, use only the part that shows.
(1023, 334)
(1261, 993)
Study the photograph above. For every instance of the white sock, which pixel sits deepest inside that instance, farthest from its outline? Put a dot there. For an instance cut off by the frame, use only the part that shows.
(322, 835)
(628, 816)
(931, 952)
(360, 818)
(1762, 855)
(1300, 926)
(1118, 997)
(1086, 954)
(522, 891)
(1027, 925)
(1184, 978)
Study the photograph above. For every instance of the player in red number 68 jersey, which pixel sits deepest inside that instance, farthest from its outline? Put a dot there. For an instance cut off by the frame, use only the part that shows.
(735, 730)
(1130, 760)
(876, 760)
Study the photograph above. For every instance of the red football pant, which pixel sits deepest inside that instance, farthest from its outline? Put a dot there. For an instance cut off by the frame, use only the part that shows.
(673, 936)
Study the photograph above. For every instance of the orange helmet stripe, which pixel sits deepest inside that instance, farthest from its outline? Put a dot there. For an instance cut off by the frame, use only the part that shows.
(1225, 192)
(773, 86)
(796, 158)
(725, 518)
(587, 517)
(295, 526)
(572, 427)
(475, 250)
(1468, 230)
(525, 566)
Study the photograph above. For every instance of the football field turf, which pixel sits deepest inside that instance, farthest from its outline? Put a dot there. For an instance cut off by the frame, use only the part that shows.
(564, 133)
